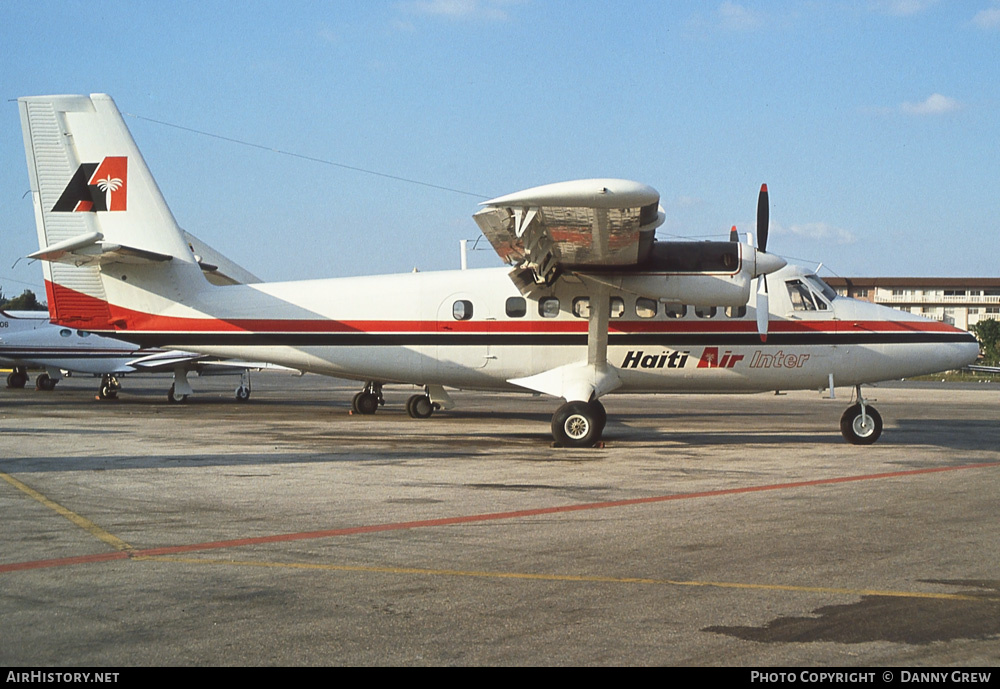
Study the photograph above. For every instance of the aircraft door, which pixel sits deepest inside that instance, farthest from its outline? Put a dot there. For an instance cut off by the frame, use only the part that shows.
(463, 330)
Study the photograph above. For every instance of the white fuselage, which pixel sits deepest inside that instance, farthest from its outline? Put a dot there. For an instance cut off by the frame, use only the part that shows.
(30, 339)
(474, 330)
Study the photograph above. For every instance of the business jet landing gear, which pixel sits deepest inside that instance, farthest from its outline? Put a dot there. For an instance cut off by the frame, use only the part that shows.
(368, 400)
(181, 388)
(17, 378)
(243, 391)
(579, 424)
(43, 381)
(420, 407)
(109, 388)
(861, 424)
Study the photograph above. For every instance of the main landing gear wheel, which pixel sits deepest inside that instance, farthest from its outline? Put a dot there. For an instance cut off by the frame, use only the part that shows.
(109, 388)
(174, 398)
(420, 407)
(578, 424)
(17, 379)
(43, 381)
(243, 393)
(365, 403)
(861, 428)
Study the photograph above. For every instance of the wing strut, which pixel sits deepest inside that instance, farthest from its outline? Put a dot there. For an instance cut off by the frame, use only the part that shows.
(597, 327)
(583, 381)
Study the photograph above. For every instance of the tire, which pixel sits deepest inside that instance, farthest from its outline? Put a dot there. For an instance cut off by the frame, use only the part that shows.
(365, 403)
(600, 417)
(107, 392)
(419, 407)
(575, 424)
(43, 381)
(175, 399)
(242, 394)
(855, 430)
(17, 380)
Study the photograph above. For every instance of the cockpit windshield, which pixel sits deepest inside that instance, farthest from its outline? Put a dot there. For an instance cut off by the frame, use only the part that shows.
(817, 283)
(803, 298)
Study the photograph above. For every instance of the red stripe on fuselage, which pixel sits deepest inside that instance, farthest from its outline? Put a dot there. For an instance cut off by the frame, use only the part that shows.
(123, 319)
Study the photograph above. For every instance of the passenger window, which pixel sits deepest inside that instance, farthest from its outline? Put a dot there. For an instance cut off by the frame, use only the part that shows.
(548, 307)
(736, 311)
(516, 307)
(65, 332)
(645, 308)
(82, 333)
(675, 310)
(581, 307)
(462, 310)
(705, 311)
(617, 307)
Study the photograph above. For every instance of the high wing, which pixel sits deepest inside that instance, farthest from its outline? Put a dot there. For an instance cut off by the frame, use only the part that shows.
(600, 232)
(589, 223)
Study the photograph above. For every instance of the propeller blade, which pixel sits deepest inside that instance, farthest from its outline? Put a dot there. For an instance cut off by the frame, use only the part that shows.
(763, 314)
(734, 236)
(763, 216)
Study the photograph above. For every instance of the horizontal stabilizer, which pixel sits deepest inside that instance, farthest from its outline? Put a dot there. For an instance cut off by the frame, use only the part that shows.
(89, 249)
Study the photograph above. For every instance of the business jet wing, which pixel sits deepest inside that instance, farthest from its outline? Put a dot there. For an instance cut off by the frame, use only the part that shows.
(583, 223)
(204, 364)
(983, 369)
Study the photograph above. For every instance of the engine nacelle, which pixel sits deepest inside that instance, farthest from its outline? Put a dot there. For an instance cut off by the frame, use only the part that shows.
(695, 273)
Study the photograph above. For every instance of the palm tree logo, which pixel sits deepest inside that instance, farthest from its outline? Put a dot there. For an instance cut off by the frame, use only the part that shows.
(108, 185)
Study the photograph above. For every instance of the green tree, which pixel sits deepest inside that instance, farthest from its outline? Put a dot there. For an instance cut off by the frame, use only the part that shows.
(26, 302)
(988, 332)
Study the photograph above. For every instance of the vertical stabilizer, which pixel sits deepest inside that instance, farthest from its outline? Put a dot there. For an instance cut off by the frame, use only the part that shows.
(98, 209)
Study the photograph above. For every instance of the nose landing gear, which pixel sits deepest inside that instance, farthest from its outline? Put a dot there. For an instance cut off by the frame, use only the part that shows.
(861, 424)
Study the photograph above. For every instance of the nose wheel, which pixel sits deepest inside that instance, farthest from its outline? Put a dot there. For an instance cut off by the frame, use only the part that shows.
(861, 424)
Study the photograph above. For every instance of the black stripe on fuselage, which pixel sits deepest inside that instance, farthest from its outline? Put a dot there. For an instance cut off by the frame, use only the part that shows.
(533, 339)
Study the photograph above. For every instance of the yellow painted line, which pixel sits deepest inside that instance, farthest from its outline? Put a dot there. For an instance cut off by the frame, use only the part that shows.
(84, 523)
(574, 578)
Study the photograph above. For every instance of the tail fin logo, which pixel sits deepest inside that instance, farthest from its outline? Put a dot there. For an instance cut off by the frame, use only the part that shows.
(96, 187)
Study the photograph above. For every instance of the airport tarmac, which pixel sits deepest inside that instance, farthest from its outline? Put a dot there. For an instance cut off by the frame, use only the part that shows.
(710, 530)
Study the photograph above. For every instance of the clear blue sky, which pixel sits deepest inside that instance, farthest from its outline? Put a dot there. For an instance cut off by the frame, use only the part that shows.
(874, 124)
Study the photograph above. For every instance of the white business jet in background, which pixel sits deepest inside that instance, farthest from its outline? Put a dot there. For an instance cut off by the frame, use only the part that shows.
(593, 305)
(30, 339)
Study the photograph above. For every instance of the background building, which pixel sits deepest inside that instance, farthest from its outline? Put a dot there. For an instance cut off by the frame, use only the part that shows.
(961, 302)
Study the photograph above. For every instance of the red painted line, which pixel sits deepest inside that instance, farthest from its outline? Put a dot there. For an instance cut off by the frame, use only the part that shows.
(65, 561)
(467, 519)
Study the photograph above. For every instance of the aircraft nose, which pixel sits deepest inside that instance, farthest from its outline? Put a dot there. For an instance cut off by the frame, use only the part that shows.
(767, 263)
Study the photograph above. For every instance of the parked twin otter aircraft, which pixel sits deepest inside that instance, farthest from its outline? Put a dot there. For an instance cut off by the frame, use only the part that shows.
(593, 304)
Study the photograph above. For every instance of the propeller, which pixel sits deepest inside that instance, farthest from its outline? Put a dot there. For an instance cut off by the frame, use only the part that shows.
(763, 217)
